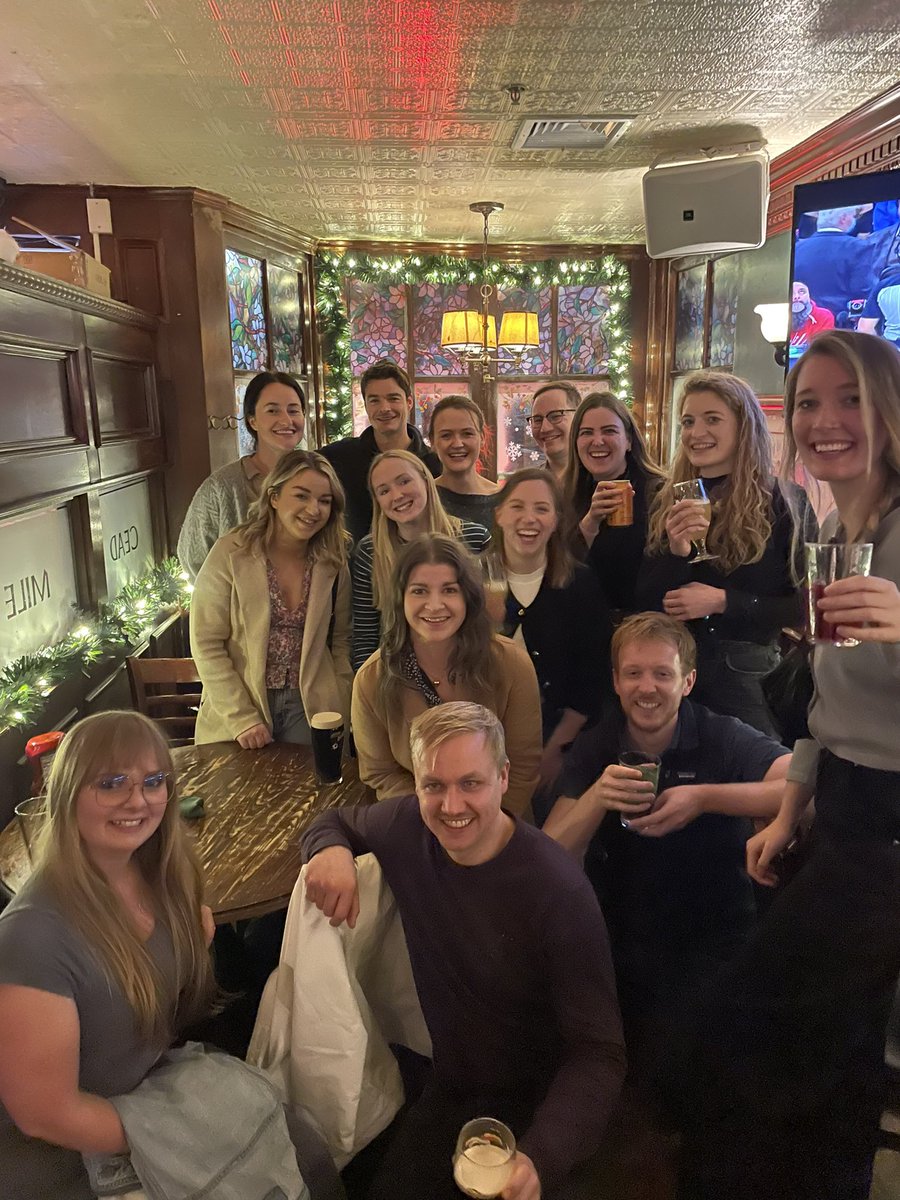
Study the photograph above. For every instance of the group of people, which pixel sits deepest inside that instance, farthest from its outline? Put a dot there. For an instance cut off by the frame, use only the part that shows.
(497, 651)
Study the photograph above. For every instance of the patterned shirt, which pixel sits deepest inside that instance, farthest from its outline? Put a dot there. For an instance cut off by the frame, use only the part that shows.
(285, 632)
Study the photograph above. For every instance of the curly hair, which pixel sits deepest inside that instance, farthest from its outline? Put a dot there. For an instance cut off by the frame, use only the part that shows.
(386, 541)
(742, 514)
(330, 544)
(474, 663)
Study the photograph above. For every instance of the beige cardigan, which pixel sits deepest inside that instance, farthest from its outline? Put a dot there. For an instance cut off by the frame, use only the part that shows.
(382, 739)
(230, 617)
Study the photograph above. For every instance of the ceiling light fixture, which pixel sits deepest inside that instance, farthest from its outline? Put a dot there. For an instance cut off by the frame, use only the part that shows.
(472, 336)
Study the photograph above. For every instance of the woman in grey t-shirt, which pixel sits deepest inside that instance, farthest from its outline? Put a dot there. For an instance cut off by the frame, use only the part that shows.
(103, 954)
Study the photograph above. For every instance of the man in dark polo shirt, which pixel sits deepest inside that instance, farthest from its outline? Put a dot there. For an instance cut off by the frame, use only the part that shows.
(672, 884)
(509, 955)
(387, 394)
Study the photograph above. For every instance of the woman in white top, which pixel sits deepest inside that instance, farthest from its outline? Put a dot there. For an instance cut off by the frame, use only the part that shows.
(405, 503)
(275, 417)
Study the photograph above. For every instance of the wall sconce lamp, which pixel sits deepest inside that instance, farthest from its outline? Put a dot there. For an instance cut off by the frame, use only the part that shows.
(774, 321)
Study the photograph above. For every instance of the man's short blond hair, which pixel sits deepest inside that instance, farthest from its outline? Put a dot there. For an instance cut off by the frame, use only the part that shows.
(654, 626)
(437, 725)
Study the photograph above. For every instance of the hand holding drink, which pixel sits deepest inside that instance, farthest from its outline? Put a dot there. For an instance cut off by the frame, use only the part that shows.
(645, 767)
(612, 502)
(484, 1158)
(688, 520)
(827, 562)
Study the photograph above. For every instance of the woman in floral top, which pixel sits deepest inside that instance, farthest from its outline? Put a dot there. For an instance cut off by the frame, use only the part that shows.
(270, 614)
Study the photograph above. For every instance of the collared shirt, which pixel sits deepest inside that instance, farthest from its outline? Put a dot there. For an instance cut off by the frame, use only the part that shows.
(688, 887)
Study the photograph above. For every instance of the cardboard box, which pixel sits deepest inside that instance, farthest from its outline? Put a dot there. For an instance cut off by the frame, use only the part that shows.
(74, 267)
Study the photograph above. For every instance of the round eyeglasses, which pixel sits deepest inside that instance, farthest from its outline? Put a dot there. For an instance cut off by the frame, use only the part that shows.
(157, 788)
(554, 417)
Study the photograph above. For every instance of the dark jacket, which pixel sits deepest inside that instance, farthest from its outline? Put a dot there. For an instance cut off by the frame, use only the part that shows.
(351, 459)
(761, 598)
(567, 633)
(616, 552)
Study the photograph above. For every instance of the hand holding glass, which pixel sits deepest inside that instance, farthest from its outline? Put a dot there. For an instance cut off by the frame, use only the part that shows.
(648, 765)
(495, 587)
(693, 489)
(483, 1162)
(826, 562)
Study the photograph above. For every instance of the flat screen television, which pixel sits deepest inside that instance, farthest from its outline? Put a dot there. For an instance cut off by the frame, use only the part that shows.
(845, 258)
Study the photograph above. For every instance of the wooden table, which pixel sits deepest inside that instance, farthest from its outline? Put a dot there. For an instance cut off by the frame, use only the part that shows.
(257, 804)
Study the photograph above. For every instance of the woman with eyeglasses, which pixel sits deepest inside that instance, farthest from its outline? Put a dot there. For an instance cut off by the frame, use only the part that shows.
(103, 955)
(405, 504)
(456, 433)
(438, 645)
(606, 453)
(552, 409)
(270, 612)
(275, 418)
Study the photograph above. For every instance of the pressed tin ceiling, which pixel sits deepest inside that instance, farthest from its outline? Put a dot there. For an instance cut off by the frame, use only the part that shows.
(385, 118)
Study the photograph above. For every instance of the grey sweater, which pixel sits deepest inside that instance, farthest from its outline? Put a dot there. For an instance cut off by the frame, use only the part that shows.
(855, 710)
(220, 502)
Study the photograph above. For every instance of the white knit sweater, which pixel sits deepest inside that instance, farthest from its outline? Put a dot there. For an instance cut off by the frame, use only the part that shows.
(220, 502)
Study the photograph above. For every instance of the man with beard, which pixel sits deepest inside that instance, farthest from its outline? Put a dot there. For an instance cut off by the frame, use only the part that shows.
(808, 319)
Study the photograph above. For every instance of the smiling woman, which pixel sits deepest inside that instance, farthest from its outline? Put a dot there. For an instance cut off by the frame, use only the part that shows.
(275, 416)
(456, 431)
(438, 646)
(270, 614)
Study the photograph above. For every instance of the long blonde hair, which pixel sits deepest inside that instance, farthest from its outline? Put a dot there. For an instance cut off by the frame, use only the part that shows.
(330, 544)
(578, 484)
(742, 520)
(386, 541)
(111, 741)
(875, 365)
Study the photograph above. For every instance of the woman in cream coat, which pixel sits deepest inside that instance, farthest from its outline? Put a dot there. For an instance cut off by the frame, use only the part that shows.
(270, 612)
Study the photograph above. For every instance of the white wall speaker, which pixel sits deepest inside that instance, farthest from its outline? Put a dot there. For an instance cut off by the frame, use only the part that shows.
(707, 207)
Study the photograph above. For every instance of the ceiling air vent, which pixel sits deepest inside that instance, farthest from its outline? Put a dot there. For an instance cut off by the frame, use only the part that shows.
(570, 133)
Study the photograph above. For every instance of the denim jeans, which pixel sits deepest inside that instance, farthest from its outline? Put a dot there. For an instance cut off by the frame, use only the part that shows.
(289, 723)
(728, 680)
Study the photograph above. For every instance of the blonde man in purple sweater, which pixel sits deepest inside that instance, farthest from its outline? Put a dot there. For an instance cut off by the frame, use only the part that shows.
(510, 958)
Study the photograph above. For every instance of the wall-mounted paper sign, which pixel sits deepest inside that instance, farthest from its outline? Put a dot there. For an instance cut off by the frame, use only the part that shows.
(127, 534)
(37, 581)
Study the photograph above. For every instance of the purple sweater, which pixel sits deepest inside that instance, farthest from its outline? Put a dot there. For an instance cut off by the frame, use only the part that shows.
(511, 962)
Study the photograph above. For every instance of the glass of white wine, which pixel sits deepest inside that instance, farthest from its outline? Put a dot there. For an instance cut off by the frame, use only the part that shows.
(483, 1162)
(693, 489)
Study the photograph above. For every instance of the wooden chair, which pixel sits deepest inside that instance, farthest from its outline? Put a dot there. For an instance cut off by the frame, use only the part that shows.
(156, 691)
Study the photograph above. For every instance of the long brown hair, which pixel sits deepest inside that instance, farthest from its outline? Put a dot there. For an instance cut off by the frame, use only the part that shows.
(578, 483)
(386, 541)
(742, 520)
(560, 562)
(875, 365)
(110, 741)
(329, 545)
(473, 661)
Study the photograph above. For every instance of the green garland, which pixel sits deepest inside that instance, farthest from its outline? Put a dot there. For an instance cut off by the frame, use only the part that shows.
(127, 621)
(332, 268)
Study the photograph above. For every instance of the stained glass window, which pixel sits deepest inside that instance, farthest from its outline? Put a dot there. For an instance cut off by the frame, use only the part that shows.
(580, 341)
(246, 313)
(377, 324)
(427, 396)
(431, 300)
(515, 446)
(357, 409)
(286, 315)
(520, 300)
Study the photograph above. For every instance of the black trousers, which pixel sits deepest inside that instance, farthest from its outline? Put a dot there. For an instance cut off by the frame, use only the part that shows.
(779, 1083)
(728, 680)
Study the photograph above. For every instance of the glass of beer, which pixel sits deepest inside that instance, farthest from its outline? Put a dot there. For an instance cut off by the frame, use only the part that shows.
(624, 514)
(826, 562)
(693, 489)
(493, 574)
(648, 765)
(327, 729)
(31, 815)
(483, 1161)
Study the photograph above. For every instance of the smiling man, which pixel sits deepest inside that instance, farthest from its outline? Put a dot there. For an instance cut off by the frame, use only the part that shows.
(672, 882)
(510, 959)
(387, 395)
(552, 410)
